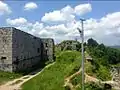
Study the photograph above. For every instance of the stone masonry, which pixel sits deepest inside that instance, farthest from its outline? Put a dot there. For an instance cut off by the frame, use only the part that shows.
(20, 51)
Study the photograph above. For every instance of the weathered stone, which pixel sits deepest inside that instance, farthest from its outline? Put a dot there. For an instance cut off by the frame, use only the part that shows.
(21, 51)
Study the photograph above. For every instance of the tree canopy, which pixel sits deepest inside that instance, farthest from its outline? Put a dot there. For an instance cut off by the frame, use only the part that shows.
(108, 55)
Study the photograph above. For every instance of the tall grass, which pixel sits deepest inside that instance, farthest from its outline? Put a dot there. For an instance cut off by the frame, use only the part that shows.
(52, 78)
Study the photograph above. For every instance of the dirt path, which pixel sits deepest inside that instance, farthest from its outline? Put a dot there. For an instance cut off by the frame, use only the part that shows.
(90, 79)
(16, 83)
(67, 80)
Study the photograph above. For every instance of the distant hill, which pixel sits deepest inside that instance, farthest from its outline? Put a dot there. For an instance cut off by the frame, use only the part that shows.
(116, 46)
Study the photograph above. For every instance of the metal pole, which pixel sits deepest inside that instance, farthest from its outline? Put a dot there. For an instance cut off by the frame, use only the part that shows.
(81, 31)
(82, 45)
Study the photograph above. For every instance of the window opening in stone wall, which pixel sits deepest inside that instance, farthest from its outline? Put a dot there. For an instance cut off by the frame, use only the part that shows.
(3, 58)
(35, 38)
(46, 52)
(2, 61)
(46, 44)
(4, 39)
(17, 60)
(38, 50)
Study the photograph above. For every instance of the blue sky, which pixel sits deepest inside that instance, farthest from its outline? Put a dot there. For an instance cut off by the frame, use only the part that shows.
(97, 13)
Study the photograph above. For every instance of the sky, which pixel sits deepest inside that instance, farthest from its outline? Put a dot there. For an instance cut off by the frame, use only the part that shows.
(59, 19)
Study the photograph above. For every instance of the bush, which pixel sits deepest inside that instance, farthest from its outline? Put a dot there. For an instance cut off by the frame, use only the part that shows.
(67, 88)
(92, 86)
(103, 73)
(77, 79)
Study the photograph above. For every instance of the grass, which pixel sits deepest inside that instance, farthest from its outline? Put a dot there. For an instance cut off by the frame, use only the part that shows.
(101, 73)
(52, 78)
(67, 63)
(116, 65)
(77, 79)
(7, 76)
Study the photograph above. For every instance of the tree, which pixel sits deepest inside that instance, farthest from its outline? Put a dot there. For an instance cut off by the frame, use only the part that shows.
(92, 42)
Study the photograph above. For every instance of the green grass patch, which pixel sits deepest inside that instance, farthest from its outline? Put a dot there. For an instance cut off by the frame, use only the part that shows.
(52, 78)
(99, 71)
(77, 79)
(90, 86)
(7, 76)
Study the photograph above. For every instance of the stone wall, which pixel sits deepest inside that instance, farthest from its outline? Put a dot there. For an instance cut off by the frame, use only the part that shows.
(48, 49)
(20, 51)
(69, 45)
(115, 72)
(6, 49)
(26, 50)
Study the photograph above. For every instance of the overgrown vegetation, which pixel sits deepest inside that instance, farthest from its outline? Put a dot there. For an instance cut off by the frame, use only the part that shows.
(108, 56)
(69, 45)
(7, 76)
(68, 62)
(77, 79)
(91, 86)
(52, 78)
(103, 58)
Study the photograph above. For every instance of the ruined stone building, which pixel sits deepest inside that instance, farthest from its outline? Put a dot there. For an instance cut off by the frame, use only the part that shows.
(20, 51)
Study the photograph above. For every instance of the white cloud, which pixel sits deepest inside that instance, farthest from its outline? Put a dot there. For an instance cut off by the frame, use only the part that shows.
(83, 9)
(67, 10)
(4, 8)
(66, 14)
(105, 29)
(30, 5)
(16, 22)
(53, 16)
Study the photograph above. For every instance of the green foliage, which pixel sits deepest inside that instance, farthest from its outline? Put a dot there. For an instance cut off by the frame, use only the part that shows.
(6, 76)
(67, 88)
(103, 73)
(68, 62)
(108, 55)
(103, 58)
(52, 78)
(77, 79)
(76, 68)
(89, 69)
(92, 86)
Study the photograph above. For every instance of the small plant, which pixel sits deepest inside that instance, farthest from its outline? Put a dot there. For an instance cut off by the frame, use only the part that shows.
(77, 79)
(67, 88)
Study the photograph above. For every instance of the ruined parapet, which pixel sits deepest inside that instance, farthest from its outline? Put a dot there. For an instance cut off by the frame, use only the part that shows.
(69, 45)
(115, 72)
(6, 49)
(48, 49)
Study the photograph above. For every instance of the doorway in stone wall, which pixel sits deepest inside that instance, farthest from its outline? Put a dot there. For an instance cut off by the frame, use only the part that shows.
(3, 58)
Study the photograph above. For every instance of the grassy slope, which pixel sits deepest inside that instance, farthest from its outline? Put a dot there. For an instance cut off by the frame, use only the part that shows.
(7, 76)
(67, 63)
(52, 78)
